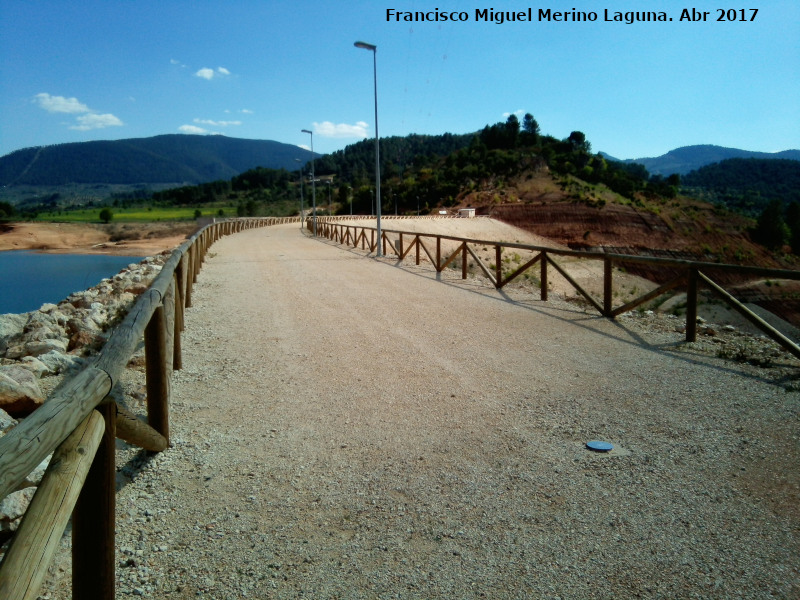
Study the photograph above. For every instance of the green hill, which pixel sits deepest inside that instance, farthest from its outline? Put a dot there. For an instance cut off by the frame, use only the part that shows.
(689, 158)
(163, 159)
(747, 185)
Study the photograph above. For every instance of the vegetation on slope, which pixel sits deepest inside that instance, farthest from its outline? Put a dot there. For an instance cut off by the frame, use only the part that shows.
(172, 159)
(746, 185)
(557, 187)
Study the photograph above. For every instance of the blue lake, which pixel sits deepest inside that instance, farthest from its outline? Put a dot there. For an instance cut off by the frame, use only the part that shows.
(30, 279)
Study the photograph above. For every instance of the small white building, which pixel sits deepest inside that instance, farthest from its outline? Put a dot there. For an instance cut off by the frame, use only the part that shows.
(466, 213)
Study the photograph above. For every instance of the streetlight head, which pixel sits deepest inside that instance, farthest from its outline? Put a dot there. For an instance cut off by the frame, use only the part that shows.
(366, 46)
(305, 131)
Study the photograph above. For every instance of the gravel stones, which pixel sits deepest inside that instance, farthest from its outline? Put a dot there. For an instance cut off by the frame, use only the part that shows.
(364, 431)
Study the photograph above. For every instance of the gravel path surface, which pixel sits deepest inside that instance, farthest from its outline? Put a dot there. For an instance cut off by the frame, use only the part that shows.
(344, 428)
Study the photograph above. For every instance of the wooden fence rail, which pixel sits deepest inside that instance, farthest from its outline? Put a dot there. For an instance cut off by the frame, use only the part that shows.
(692, 275)
(79, 424)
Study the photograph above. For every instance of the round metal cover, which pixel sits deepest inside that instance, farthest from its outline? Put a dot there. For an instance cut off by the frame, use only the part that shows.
(599, 446)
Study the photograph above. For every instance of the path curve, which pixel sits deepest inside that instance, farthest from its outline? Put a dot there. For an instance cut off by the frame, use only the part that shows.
(347, 428)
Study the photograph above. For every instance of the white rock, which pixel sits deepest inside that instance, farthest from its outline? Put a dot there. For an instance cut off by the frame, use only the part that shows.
(13, 507)
(37, 348)
(6, 422)
(35, 366)
(15, 352)
(11, 327)
(19, 392)
(60, 362)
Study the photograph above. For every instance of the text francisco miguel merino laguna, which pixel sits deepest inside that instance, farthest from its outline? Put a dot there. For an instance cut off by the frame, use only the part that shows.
(499, 17)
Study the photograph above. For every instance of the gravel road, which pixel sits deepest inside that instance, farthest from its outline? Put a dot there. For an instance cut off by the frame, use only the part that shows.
(347, 428)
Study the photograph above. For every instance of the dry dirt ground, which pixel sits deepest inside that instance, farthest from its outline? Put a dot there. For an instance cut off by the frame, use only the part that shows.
(128, 239)
(345, 427)
(587, 273)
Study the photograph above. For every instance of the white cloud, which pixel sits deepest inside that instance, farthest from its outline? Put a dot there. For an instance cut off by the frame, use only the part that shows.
(96, 121)
(519, 112)
(193, 129)
(341, 130)
(216, 123)
(246, 111)
(59, 104)
(88, 119)
(209, 74)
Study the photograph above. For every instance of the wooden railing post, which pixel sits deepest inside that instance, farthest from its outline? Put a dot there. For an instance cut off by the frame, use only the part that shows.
(498, 266)
(608, 270)
(180, 292)
(188, 275)
(543, 276)
(438, 253)
(158, 351)
(178, 325)
(464, 260)
(691, 306)
(93, 520)
(195, 256)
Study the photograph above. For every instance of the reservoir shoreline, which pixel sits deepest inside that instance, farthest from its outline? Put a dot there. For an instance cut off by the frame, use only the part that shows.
(29, 280)
(127, 239)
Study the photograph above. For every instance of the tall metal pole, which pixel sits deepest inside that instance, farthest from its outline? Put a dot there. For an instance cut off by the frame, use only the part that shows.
(313, 181)
(374, 49)
(302, 209)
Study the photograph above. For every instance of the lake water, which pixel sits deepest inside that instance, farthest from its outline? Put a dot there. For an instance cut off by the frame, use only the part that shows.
(30, 279)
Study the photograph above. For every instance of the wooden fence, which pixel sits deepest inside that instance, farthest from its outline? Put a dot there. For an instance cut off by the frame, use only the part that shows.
(79, 424)
(692, 274)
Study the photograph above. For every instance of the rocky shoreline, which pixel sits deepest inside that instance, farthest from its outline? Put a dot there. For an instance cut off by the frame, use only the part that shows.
(50, 343)
(40, 348)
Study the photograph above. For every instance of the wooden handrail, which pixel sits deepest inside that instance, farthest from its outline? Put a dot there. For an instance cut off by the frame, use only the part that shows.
(692, 271)
(70, 424)
(158, 316)
(40, 532)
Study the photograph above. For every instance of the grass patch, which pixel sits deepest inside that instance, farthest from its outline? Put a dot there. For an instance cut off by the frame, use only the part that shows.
(134, 215)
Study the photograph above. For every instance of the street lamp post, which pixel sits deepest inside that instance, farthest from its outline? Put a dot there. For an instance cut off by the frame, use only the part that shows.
(313, 181)
(302, 210)
(374, 50)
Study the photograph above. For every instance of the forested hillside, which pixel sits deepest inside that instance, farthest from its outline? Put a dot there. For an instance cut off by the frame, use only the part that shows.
(424, 172)
(747, 185)
(690, 158)
(162, 159)
(558, 188)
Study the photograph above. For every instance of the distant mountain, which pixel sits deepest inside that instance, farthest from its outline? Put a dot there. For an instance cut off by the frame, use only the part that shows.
(163, 159)
(746, 184)
(690, 158)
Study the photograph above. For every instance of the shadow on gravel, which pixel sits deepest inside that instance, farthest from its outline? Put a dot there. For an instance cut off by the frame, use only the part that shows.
(575, 317)
(138, 462)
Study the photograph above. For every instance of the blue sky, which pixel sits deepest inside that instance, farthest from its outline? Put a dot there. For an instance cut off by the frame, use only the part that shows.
(266, 69)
